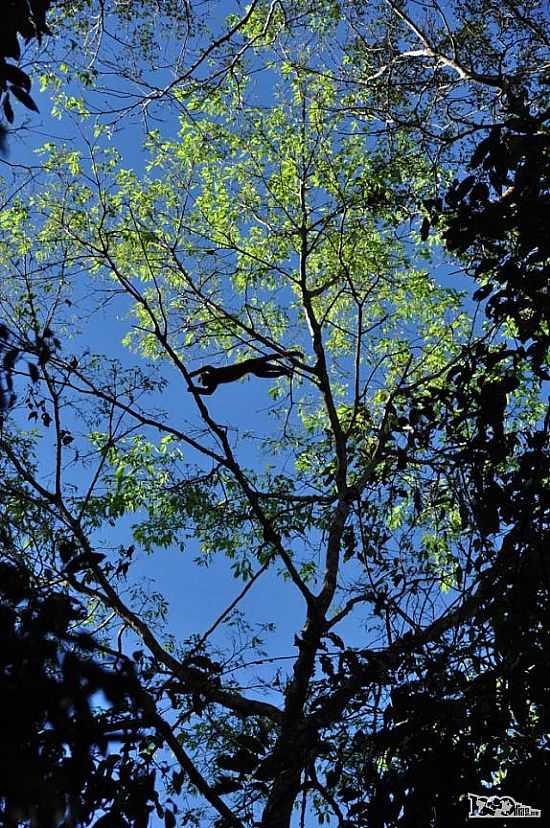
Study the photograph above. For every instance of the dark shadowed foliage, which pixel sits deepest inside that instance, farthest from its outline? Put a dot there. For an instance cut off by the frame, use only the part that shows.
(25, 19)
(63, 703)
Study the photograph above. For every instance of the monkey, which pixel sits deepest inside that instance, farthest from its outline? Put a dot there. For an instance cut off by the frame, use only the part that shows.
(210, 377)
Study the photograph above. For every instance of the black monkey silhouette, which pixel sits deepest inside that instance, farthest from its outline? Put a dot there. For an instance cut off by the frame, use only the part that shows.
(210, 377)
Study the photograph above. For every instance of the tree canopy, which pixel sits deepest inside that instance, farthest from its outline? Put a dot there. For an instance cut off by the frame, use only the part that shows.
(359, 191)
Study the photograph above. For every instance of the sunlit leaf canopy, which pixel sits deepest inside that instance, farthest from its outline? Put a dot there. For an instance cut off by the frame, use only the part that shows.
(438, 69)
(207, 255)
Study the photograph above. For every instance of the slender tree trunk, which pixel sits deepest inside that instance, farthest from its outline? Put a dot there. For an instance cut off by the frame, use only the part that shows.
(295, 739)
(278, 811)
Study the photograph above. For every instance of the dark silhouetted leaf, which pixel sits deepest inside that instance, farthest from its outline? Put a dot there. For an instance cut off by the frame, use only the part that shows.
(16, 76)
(8, 109)
(33, 371)
(24, 97)
(482, 293)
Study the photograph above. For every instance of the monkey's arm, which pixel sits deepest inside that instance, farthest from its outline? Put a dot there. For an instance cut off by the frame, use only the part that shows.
(197, 372)
(201, 389)
(211, 377)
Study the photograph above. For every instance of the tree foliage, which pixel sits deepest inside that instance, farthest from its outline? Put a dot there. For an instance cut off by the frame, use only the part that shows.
(391, 490)
(26, 19)
(54, 749)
